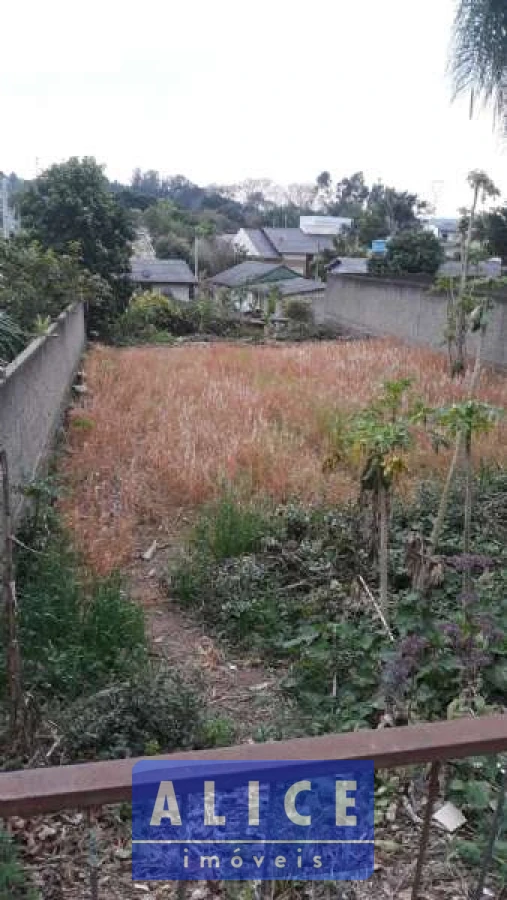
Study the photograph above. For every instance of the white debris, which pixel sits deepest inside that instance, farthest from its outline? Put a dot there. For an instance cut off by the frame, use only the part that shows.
(150, 553)
(259, 687)
(199, 893)
(449, 817)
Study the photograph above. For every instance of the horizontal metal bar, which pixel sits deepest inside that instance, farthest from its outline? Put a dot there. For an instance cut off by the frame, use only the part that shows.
(31, 791)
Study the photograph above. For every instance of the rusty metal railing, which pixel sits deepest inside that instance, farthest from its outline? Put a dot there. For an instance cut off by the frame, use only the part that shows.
(49, 790)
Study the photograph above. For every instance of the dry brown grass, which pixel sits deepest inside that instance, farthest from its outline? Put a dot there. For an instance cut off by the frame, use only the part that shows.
(165, 428)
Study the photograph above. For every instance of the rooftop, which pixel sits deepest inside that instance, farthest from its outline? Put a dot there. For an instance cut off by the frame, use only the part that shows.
(249, 272)
(161, 271)
(293, 240)
(272, 243)
(292, 286)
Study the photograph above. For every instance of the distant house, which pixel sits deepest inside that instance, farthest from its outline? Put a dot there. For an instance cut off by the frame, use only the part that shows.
(252, 272)
(171, 277)
(252, 281)
(328, 225)
(291, 246)
(446, 230)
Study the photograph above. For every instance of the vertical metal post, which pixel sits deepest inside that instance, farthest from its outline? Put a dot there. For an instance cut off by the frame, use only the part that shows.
(495, 830)
(93, 858)
(425, 834)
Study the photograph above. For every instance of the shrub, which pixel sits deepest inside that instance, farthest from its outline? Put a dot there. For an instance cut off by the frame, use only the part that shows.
(151, 314)
(153, 711)
(299, 310)
(36, 285)
(409, 253)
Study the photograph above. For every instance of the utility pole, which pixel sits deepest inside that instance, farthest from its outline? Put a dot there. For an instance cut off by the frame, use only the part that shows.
(5, 208)
(196, 257)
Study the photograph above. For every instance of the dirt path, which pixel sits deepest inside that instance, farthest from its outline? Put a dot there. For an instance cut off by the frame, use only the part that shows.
(239, 688)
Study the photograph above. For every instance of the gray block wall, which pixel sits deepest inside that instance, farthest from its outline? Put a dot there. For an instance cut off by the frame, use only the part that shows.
(33, 395)
(366, 305)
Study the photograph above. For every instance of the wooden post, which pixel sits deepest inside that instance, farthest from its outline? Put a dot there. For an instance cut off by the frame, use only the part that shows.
(10, 608)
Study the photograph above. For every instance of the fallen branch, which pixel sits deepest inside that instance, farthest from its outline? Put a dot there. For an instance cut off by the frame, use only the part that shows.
(377, 608)
(26, 547)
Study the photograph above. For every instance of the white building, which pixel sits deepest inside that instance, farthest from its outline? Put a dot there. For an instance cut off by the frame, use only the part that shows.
(325, 225)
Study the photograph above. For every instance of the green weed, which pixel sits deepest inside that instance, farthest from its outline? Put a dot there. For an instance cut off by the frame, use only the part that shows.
(230, 528)
(14, 884)
(78, 633)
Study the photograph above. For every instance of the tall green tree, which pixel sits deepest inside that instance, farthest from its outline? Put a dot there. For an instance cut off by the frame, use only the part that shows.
(478, 55)
(70, 208)
(351, 196)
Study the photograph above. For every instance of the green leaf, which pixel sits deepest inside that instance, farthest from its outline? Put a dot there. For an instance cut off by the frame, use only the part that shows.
(469, 852)
(477, 794)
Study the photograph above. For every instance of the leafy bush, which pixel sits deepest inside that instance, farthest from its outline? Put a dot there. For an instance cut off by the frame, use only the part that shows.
(38, 284)
(306, 331)
(13, 880)
(409, 253)
(153, 711)
(299, 310)
(151, 314)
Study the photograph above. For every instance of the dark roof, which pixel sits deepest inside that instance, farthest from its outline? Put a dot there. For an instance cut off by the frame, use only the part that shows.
(248, 272)
(260, 242)
(292, 286)
(161, 271)
(293, 240)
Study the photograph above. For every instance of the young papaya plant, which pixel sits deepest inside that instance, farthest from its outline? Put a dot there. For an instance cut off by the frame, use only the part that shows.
(382, 445)
(468, 420)
(376, 440)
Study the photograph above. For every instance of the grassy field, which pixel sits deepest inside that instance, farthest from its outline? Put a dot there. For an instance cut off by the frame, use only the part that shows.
(165, 429)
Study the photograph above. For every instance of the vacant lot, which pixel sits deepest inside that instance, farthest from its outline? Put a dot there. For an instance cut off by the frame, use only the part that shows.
(164, 429)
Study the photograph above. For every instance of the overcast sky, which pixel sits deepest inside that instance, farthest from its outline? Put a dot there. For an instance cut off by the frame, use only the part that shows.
(225, 90)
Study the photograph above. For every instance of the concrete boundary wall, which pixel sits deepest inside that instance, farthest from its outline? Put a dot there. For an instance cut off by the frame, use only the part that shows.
(409, 311)
(34, 391)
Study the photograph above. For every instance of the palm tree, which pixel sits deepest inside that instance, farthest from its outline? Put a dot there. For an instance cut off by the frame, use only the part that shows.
(478, 55)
